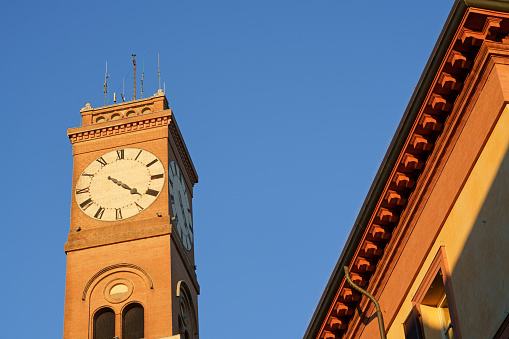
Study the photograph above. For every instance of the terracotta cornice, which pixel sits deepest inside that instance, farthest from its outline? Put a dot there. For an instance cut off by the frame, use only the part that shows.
(371, 242)
(122, 126)
(490, 53)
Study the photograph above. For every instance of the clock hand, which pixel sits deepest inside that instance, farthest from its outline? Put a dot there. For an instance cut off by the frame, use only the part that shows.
(134, 191)
(121, 184)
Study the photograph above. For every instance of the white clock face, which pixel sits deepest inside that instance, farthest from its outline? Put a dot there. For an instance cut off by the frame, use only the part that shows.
(119, 184)
(180, 205)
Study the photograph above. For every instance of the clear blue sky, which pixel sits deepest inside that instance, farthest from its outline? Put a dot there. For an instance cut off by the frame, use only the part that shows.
(287, 109)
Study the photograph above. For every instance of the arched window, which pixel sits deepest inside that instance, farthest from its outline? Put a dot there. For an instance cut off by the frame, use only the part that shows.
(187, 317)
(104, 324)
(133, 322)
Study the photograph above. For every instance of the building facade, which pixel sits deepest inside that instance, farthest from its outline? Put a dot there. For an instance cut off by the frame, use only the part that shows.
(431, 242)
(130, 250)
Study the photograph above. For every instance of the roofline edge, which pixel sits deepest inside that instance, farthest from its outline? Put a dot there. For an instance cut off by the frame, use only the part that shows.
(495, 5)
(385, 169)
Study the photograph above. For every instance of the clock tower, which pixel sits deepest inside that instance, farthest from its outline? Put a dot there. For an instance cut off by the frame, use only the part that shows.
(130, 249)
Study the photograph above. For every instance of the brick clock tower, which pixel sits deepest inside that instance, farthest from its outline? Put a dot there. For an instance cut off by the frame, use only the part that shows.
(130, 250)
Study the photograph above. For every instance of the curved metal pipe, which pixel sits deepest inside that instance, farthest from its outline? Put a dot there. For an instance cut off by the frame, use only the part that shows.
(367, 294)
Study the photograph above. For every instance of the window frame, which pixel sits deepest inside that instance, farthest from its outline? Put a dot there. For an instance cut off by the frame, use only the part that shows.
(439, 264)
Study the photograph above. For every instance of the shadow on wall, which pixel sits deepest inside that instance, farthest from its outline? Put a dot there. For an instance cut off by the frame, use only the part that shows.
(480, 277)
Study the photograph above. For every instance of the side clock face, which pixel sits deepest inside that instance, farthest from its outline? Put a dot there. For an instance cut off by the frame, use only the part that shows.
(119, 184)
(180, 205)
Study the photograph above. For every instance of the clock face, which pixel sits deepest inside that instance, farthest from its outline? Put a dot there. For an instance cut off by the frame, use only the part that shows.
(119, 184)
(180, 205)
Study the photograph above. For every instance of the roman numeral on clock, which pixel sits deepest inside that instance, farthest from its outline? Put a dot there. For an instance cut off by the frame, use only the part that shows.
(157, 176)
(139, 207)
(120, 154)
(99, 213)
(86, 204)
(152, 192)
(118, 213)
(82, 190)
(102, 161)
(152, 162)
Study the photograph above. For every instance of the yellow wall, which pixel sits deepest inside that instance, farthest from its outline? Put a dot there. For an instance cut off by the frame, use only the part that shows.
(476, 240)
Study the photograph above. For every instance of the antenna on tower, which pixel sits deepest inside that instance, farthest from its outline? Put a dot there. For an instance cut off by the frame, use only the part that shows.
(159, 70)
(134, 77)
(122, 94)
(142, 75)
(106, 76)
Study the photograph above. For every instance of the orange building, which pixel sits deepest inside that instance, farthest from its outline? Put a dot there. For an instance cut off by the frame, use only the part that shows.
(130, 253)
(431, 242)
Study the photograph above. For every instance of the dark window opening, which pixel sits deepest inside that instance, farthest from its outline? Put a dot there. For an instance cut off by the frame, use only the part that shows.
(412, 325)
(133, 322)
(104, 324)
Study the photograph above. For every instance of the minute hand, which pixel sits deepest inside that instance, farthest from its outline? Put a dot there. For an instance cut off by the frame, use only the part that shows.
(120, 183)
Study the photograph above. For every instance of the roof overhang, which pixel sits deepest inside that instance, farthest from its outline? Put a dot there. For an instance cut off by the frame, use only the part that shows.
(394, 152)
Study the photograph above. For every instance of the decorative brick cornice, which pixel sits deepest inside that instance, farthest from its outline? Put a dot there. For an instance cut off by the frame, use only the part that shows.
(478, 27)
(120, 127)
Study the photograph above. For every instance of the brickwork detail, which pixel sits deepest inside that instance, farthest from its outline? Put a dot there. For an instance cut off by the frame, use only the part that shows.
(114, 267)
(101, 132)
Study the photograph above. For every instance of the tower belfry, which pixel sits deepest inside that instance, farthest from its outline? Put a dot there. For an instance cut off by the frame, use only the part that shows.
(130, 249)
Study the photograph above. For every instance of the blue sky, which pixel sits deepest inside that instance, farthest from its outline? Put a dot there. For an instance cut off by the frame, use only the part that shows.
(287, 109)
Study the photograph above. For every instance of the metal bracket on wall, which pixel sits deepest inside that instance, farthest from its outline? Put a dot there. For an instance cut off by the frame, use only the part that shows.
(367, 294)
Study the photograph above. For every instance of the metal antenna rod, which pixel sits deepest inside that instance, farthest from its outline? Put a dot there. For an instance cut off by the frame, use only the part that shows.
(142, 75)
(123, 97)
(106, 76)
(134, 77)
(159, 70)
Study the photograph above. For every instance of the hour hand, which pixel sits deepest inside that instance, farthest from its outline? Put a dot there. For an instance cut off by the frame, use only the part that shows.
(134, 191)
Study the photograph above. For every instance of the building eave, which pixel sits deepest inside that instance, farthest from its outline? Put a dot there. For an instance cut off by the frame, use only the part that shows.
(494, 5)
(393, 153)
